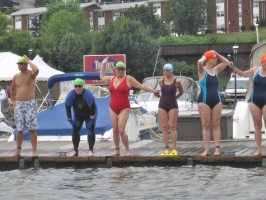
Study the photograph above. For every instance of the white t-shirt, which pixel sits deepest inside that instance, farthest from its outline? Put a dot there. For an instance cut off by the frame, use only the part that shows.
(2, 94)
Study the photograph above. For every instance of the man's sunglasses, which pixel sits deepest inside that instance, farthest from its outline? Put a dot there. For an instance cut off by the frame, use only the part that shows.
(120, 69)
(20, 63)
(79, 86)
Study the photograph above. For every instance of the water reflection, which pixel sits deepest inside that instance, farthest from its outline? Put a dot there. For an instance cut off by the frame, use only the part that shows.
(200, 182)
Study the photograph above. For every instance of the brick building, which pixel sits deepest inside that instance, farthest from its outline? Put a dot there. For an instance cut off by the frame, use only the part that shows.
(231, 15)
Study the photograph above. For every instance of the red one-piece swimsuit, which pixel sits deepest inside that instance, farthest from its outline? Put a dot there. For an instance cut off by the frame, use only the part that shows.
(119, 96)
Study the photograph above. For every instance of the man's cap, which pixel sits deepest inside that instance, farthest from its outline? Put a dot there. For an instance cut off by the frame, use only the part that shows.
(169, 66)
(120, 64)
(22, 60)
(78, 81)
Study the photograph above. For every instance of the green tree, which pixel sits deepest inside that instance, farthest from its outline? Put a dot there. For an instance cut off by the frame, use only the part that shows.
(130, 37)
(58, 5)
(39, 3)
(187, 17)
(5, 22)
(145, 15)
(180, 68)
(60, 23)
(16, 41)
(71, 51)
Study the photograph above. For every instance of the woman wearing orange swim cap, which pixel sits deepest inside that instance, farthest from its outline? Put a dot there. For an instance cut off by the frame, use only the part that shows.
(257, 100)
(209, 102)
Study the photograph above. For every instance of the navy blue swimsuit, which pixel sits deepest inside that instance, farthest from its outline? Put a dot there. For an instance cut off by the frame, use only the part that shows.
(168, 97)
(208, 93)
(258, 95)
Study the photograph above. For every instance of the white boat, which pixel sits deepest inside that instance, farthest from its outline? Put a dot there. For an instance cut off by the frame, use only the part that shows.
(188, 101)
(5, 127)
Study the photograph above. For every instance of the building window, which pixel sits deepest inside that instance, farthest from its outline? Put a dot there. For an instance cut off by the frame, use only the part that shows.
(100, 14)
(18, 19)
(91, 15)
(118, 14)
(100, 27)
(220, 13)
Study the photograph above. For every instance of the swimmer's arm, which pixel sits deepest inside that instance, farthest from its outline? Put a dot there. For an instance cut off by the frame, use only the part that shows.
(35, 69)
(12, 91)
(200, 66)
(247, 73)
(134, 83)
(103, 76)
(180, 89)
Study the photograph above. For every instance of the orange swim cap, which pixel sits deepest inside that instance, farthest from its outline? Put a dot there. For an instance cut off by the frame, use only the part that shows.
(208, 55)
(262, 58)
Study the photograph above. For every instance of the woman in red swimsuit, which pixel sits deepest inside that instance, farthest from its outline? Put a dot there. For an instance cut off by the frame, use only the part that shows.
(119, 87)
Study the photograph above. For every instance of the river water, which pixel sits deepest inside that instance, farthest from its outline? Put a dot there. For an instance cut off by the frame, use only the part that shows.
(199, 182)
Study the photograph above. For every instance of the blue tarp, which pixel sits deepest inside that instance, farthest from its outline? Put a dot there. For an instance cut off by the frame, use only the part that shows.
(53, 121)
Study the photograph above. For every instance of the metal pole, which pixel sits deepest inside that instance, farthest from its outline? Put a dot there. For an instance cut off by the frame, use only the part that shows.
(235, 62)
(257, 32)
(156, 60)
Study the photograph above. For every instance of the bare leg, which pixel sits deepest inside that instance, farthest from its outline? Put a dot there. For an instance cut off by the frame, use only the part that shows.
(258, 137)
(125, 141)
(205, 116)
(33, 140)
(172, 124)
(19, 139)
(122, 121)
(116, 137)
(257, 113)
(216, 118)
(163, 116)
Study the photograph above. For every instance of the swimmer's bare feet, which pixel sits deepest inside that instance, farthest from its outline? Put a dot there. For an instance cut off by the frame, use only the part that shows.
(205, 153)
(217, 151)
(257, 153)
(73, 154)
(117, 152)
(90, 154)
(34, 154)
(127, 153)
(17, 152)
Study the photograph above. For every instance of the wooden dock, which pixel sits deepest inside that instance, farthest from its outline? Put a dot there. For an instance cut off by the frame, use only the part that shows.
(237, 153)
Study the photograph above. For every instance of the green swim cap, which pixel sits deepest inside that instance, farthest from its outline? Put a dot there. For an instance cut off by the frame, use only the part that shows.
(120, 64)
(78, 81)
(22, 60)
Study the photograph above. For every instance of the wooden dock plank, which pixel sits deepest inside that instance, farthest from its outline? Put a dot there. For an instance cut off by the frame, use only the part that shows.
(144, 153)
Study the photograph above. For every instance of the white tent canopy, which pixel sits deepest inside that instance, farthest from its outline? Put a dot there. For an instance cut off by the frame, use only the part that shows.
(8, 67)
(45, 71)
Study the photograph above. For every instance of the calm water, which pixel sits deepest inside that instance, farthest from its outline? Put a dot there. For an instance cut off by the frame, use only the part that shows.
(200, 182)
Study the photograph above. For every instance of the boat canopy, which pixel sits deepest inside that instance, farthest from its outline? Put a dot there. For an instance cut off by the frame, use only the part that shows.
(188, 84)
(71, 76)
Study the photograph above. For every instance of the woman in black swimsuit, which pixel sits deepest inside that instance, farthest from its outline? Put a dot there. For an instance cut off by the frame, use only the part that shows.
(168, 108)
